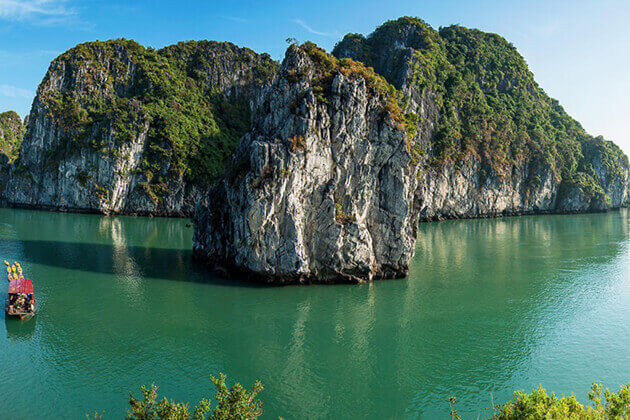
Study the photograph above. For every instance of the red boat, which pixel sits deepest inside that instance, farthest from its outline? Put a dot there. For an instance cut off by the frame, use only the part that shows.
(20, 301)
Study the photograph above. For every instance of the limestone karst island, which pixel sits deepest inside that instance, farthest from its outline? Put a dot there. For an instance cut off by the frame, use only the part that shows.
(453, 243)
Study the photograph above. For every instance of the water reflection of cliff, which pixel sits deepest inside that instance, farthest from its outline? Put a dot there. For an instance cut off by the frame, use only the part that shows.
(89, 228)
(481, 297)
(126, 246)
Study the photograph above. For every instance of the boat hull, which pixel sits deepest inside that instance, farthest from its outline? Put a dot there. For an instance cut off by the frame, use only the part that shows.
(12, 312)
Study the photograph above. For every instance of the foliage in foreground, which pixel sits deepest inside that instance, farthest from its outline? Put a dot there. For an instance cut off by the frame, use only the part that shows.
(231, 403)
(540, 405)
(240, 404)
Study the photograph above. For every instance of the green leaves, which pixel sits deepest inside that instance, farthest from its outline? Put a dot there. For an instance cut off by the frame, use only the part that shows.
(235, 403)
(11, 133)
(540, 405)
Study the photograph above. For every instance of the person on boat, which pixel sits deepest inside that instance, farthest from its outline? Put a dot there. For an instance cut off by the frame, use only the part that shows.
(12, 299)
(20, 301)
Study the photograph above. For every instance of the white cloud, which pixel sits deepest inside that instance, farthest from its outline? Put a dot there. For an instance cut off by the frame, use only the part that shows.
(40, 11)
(15, 92)
(313, 31)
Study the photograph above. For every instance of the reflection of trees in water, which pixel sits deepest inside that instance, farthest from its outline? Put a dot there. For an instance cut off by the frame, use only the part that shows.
(549, 241)
(127, 246)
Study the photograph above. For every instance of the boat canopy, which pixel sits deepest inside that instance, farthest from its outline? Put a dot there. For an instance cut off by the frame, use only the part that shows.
(21, 285)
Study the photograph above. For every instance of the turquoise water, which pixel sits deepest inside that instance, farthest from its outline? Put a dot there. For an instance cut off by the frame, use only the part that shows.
(490, 306)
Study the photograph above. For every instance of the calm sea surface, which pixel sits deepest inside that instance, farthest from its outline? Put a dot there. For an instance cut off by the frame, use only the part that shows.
(489, 306)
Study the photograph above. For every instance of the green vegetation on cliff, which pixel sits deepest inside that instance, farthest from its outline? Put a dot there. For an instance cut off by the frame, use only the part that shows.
(191, 103)
(11, 133)
(189, 99)
(329, 65)
(489, 103)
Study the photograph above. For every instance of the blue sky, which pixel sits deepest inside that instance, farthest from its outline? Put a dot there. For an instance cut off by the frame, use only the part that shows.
(578, 50)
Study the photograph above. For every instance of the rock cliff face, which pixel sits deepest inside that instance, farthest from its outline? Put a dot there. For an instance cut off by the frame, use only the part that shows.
(497, 145)
(118, 128)
(465, 191)
(340, 165)
(340, 155)
(323, 186)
